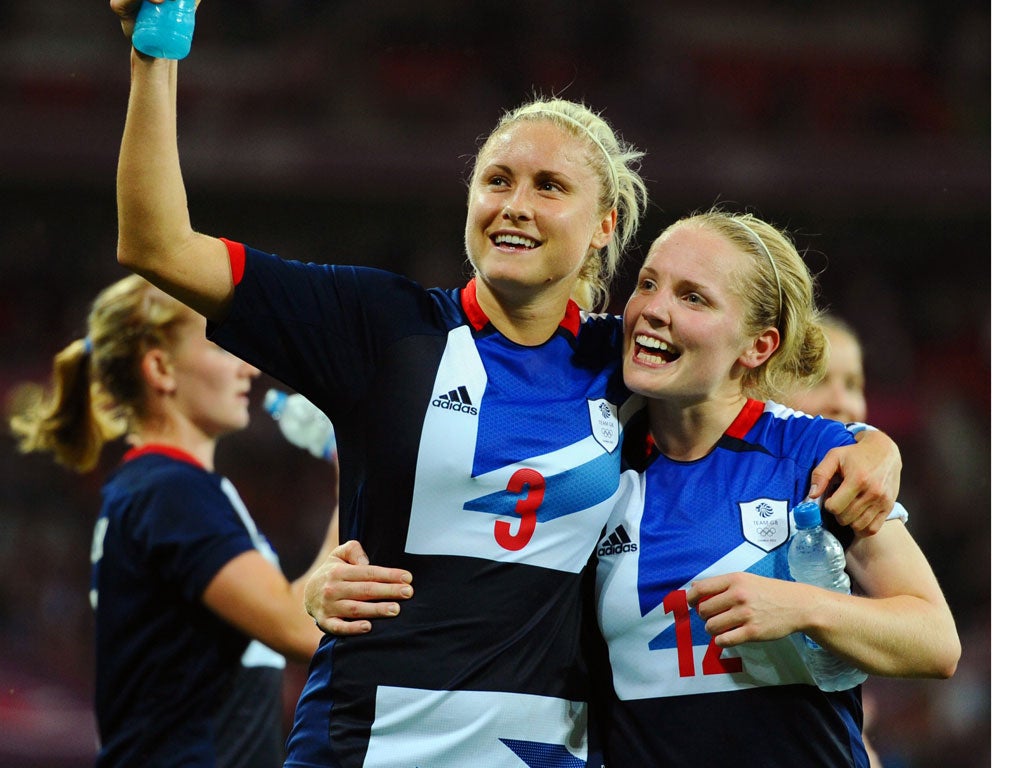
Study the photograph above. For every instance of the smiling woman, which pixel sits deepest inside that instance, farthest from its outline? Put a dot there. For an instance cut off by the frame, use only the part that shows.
(485, 419)
(702, 619)
(544, 184)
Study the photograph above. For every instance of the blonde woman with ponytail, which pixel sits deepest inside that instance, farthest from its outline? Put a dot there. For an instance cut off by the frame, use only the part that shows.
(194, 618)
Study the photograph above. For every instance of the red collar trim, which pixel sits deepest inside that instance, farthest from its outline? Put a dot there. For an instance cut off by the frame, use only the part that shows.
(746, 419)
(749, 414)
(478, 318)
(649, 446)
(471, 306)
(164, 450)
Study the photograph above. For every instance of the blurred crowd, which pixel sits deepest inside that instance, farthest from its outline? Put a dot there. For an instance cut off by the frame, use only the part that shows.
(862, 127)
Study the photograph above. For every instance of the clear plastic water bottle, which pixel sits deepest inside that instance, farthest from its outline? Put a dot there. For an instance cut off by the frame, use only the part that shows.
(305, 425)
(816, 557)
(164, 30)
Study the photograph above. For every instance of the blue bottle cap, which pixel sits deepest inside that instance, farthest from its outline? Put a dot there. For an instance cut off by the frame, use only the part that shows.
(273, 402)
(807, 514)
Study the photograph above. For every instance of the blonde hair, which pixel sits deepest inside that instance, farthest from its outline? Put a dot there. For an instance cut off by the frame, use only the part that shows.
(97, 391)
(622, 189)
(779, 291)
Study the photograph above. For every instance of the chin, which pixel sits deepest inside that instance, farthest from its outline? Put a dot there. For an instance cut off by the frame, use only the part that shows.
(636, 385)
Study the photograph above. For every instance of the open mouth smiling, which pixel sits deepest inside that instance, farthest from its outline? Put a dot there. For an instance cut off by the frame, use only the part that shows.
(653, 351)
(514, 242)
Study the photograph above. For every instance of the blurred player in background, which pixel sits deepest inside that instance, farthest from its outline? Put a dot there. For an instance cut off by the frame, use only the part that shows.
(194, 618)
(840, 394)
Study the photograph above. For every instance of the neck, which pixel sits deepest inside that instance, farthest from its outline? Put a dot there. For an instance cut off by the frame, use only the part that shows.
(191, 441)
(686, 432)
(529, 321)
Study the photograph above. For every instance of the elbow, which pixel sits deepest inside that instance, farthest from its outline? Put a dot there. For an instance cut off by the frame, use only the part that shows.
(950, 660)
(946, 655)
(128, 257)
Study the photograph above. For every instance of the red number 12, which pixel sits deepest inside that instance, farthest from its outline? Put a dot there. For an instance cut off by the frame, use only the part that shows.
(713, 663)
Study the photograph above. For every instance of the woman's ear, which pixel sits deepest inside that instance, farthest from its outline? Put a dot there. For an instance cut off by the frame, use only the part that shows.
(158, 371)
(761, 348)
(605, 229)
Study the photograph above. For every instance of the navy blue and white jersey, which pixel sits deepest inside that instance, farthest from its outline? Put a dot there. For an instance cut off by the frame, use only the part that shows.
(484, 467)
(677, 698)
(164, 662)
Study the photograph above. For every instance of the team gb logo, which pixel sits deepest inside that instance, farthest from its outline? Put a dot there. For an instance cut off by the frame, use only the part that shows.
(604, 423)
(765, 522)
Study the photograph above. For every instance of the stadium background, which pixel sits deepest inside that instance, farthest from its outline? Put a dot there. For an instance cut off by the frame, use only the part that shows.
(344, 131)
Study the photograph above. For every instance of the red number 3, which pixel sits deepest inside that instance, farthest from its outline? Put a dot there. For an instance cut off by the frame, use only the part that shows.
(532, 482)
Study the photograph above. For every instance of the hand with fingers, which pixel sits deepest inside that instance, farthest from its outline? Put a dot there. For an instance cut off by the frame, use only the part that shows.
(870, 481)
(345, 591)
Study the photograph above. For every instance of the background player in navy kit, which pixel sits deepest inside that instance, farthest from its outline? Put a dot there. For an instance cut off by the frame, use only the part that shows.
(182, 578)
(723, 312)
(496, 511)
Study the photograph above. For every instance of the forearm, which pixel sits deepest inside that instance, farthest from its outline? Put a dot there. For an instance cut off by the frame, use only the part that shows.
(151, 204)
(900, 636)
(254, 596)
(155, 236)
(902, 627)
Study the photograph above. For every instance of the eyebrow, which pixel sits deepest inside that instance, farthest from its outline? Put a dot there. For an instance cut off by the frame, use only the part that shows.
(686, 282)
(541, 175)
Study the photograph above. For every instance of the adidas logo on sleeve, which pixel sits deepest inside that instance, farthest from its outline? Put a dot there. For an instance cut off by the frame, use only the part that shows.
(455, 400)
(616, 543)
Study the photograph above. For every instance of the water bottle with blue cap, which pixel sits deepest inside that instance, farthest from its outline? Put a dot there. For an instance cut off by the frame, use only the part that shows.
(302, 423)
(817, 557)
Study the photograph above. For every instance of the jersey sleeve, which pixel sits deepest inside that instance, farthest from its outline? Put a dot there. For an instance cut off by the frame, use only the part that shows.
(833, 434)
(191, 531)
(319, 328)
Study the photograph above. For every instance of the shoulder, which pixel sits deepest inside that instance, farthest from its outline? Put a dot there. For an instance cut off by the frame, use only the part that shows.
(787, 432)
(605, 325)
(300, 288)
(600, 336)
(786, 419)
(164, 488)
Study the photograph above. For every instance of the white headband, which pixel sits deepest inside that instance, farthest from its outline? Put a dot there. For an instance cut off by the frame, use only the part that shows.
(775, 269)
(593, 138)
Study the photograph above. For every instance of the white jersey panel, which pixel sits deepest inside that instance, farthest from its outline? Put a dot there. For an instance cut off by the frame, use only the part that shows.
(256, 653)
(453, 729)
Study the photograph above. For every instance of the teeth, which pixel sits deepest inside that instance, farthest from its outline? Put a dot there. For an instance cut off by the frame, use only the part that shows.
(519, 240)
(650, 359)
(651, 343)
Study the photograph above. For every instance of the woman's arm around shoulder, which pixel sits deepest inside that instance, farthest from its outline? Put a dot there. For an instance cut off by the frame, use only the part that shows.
(870, 481)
